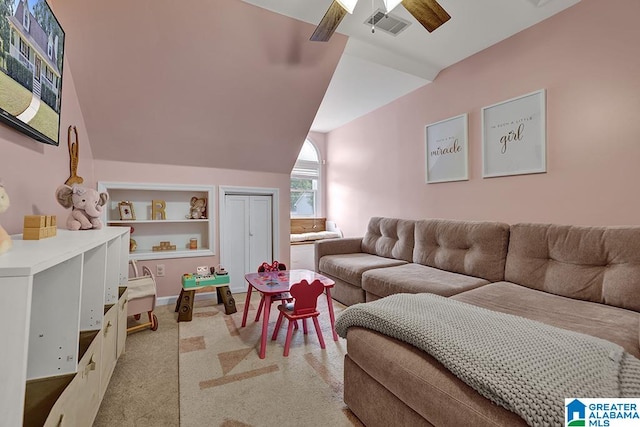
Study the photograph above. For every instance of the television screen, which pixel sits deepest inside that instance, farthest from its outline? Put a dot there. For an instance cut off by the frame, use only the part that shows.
(31, 53)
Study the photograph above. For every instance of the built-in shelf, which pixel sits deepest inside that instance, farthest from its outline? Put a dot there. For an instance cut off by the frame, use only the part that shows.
(153, 221)
(149, 231)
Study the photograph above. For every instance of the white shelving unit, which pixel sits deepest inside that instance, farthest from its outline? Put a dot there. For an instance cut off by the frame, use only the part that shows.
(55, 291)
(176, 228)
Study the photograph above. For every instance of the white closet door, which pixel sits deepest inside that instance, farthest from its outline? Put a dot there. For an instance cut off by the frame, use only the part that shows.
(248, 236)
(236, 241)
(260, 233)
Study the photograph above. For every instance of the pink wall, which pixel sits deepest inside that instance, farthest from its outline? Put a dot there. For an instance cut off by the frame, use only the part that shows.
(31, 171)
(587, 60)
(150, 173)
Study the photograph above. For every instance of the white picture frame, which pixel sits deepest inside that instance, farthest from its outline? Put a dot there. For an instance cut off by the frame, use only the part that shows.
(447, 150)
(514, 136)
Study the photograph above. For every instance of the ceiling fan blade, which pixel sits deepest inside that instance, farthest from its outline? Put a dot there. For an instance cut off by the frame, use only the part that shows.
(428, 12)
(329, 23)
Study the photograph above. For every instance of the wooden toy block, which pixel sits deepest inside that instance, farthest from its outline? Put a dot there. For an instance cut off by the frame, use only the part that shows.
(164, 246)
(35, 221)
(35, 233)
(38, 227)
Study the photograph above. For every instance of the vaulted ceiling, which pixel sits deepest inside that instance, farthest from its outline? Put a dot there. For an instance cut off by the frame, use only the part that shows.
(237, 84)
(213, 83)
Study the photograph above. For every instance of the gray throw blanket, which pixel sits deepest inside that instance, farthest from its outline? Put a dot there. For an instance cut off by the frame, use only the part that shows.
(525, 366)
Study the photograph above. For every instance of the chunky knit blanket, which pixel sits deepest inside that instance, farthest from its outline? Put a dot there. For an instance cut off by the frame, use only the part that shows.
(525, 366)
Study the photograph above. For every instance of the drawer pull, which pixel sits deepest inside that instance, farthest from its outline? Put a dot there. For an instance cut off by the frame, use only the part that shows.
(106, 328)
(124, 303)
(91, 366)
(60, 420)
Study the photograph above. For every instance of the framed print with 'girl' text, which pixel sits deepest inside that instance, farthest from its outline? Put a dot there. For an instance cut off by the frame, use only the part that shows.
(514, 136)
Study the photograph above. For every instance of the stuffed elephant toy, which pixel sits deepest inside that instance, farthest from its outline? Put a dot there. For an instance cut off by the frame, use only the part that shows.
(87, 206)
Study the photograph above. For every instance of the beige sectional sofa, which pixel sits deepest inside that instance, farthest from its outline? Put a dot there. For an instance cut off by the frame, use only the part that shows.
(584, 279)
(395, 255)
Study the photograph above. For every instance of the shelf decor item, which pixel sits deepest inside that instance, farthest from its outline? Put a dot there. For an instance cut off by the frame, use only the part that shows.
(446, 150)
(158, 208)
(151, 227)
(126, 211)
(164, 246)
(514, 136)
(5, 239)
(74, 150)
(86, 204)
(133, 245)
(198, 208)
(38, 227)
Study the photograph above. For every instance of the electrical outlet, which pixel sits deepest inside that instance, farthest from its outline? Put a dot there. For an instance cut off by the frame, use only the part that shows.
(160, 270)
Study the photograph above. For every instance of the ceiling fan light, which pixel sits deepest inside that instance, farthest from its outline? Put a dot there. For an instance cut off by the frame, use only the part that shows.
(349, 5)
(390, 4)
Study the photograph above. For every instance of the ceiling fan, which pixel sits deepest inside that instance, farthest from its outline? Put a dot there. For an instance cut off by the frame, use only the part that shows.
(428, 12)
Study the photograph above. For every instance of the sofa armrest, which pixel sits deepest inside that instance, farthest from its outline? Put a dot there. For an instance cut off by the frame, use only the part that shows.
(345, 245)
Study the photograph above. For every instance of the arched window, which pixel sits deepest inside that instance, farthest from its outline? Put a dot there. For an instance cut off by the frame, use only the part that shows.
(305, 182)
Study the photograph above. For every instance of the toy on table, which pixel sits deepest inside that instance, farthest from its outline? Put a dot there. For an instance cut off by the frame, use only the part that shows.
(87, 206)
(5, 239)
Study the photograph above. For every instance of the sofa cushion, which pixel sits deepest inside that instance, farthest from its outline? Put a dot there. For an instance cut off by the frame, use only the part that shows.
(349, 267)
(599, 264)
(417, 278)
(610, 323)
(422, 383)
(467, 247)
(390, 238)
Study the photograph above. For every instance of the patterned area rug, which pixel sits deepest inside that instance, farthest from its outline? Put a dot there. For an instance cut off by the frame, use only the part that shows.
(223, 382)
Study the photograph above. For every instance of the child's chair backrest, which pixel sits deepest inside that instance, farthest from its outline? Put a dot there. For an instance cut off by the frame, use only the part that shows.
(306, 296)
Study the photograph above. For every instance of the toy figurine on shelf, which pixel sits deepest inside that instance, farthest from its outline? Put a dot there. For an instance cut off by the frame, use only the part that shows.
(5, 239)
(198, 209)
(133, 245)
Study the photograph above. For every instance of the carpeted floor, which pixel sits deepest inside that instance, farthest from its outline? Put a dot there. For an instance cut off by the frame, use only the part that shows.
(221, 380)
(143, 391)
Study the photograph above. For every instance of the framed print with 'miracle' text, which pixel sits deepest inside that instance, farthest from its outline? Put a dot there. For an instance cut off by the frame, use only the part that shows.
(446, 149)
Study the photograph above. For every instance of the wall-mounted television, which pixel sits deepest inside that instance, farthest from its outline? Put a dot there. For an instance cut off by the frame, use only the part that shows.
(31, 58)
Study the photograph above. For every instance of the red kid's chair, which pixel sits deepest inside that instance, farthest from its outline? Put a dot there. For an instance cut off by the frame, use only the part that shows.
(275, 266)
(305, 298)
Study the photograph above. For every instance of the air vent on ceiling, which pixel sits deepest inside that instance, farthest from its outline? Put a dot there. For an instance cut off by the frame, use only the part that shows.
(387, 22)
